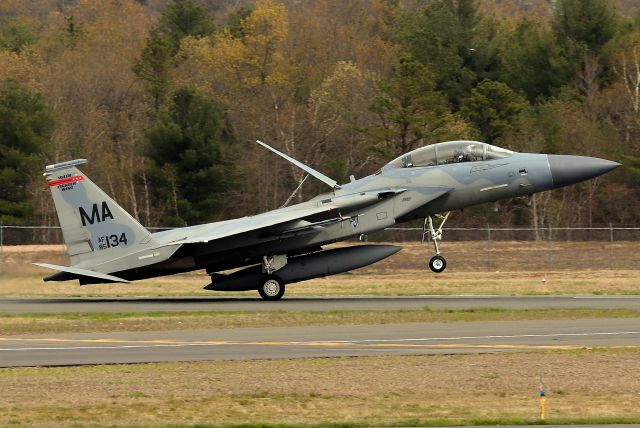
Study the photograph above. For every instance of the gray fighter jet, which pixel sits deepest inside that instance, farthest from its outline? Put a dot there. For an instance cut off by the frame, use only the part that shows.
(284, 246)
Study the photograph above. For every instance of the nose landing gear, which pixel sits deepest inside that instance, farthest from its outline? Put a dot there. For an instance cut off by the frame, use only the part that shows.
(437, 263)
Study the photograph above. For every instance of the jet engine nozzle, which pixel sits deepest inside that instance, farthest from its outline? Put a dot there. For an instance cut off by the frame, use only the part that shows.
(567, 169)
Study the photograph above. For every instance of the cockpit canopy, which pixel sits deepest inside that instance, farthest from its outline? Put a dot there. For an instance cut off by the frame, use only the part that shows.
(449, 152)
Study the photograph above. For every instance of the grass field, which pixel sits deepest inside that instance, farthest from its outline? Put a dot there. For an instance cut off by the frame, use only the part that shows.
(590, 385)
(401, 275)
(400, 283)
(154, 321)
(585, 385)
(462, 256)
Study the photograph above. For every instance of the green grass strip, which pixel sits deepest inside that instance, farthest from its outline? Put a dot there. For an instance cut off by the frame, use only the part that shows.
(38, 323)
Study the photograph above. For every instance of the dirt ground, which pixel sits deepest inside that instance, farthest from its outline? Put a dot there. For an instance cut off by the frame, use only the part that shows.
(579, 384)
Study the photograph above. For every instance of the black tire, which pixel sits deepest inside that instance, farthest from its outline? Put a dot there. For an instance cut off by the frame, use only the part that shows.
(271, 288)
(437, 264)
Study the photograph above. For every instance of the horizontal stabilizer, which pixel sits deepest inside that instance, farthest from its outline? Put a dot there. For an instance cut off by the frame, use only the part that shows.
(82, 272)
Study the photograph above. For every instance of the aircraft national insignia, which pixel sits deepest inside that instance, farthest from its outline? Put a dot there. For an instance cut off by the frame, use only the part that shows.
(354, 221)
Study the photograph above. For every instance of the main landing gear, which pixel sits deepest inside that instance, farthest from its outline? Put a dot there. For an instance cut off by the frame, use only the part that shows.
(437, 263)
(271, 287)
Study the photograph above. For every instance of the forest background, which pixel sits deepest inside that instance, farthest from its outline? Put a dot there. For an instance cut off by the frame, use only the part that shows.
(165, 98)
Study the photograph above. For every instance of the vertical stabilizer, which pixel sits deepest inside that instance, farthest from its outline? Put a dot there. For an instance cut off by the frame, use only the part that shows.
(94, 227)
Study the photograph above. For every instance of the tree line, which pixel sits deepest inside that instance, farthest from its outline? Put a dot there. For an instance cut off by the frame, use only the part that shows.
(165, 98)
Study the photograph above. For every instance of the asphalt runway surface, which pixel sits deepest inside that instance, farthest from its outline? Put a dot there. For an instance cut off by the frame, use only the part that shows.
(326, 341)
(199, 304)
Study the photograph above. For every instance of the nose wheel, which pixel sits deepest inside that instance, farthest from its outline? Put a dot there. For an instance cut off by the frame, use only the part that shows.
(437, 263)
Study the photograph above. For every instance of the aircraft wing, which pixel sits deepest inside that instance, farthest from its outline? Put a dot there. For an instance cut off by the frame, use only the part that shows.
(212, 231)
(294, 220)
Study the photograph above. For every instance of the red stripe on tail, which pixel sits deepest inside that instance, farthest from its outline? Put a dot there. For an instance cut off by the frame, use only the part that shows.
(66, 180)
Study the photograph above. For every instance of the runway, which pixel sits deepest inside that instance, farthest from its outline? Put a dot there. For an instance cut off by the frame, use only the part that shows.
(348, 303)
(327, 341)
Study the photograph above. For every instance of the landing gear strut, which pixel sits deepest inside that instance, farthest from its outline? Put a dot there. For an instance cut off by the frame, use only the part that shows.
(271, 287)
(437, 263)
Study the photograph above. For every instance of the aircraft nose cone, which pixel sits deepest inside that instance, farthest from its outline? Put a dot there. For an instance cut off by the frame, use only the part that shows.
(567, 169)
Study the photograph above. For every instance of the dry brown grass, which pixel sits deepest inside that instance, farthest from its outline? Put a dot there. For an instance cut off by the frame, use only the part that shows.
(470, 256)
(583, 383)
(403, 274)
(400, 283)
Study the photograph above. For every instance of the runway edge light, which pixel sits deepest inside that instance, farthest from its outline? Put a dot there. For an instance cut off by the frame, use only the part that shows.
(542, 399)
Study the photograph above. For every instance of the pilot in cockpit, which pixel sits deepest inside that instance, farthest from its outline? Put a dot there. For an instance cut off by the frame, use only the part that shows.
(459, 155)
(471, 153)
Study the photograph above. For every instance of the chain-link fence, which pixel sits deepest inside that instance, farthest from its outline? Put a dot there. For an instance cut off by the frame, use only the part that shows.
(38, 235)
(531, 249)
(487, 248)
(602, 233)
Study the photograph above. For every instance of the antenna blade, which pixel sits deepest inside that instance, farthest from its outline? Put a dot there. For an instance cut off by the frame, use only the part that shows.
(320, 176)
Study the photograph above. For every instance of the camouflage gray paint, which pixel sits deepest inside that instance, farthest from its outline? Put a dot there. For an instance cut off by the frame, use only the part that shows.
(107, 244)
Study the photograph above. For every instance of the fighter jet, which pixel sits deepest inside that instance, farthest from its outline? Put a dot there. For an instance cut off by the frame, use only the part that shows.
(284, 246)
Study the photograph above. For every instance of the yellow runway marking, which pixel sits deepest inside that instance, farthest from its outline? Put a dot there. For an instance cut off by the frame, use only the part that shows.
(352, 344)
(456, 342)
(272, 343)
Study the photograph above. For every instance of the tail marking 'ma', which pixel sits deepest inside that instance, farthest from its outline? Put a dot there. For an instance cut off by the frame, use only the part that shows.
(95, 214)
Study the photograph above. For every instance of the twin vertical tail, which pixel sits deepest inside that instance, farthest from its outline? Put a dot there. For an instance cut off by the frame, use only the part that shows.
(94, 226)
